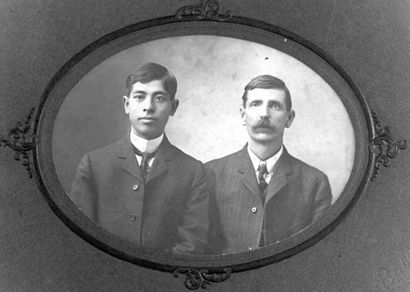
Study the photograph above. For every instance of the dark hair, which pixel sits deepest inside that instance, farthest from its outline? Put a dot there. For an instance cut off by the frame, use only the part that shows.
(267, 82)
(149, 72)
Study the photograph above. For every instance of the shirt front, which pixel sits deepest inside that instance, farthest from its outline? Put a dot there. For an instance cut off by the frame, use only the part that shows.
(270, 163)
(145, 145)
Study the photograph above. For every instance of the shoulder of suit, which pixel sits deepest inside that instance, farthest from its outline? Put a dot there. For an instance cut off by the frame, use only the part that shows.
(224, 161)
(300, 167)
(105, 151)
(179, 154)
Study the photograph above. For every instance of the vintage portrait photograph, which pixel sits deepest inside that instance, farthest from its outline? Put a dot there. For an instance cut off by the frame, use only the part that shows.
(203, 144)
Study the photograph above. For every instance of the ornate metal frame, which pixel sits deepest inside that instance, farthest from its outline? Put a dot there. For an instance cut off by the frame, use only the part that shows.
(29, 142)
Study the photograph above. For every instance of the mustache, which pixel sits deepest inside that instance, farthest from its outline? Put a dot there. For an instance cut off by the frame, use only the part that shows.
(264, 123)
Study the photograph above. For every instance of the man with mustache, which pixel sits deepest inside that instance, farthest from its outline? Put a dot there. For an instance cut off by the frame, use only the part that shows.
(263, 194)
(142, 188)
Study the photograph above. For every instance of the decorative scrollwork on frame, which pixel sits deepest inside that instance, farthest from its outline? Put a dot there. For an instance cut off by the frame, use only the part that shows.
(207, 9)
(386, 146)
(21, 140)
(195, 279)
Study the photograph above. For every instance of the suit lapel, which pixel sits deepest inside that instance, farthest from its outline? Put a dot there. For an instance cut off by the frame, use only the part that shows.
(245, 170)
(164, 154)
(129, 163)
(279, 176)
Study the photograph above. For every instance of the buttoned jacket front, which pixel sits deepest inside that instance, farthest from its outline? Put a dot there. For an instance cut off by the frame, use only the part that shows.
(296, 195)
(169, 211)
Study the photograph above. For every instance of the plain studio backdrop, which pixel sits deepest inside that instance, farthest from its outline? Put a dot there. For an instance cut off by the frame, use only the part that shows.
(211, 72)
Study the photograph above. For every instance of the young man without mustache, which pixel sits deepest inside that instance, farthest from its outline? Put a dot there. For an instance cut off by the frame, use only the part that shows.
(141, 187)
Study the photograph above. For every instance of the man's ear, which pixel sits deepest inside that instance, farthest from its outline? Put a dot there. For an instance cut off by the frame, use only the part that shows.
(291, 117)
(126, 102)
(174, 106)
(243, 116)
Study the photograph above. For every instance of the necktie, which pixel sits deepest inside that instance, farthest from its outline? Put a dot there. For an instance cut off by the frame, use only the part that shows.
(262, 171)
(262, 187)
(144, 166)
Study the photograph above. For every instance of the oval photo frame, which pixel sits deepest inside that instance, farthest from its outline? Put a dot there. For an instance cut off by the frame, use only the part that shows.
(69, 78)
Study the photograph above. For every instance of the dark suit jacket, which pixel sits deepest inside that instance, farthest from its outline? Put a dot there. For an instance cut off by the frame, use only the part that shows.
(296, 196)
(169, 212)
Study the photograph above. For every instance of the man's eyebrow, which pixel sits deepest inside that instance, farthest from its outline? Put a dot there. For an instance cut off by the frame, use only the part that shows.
(282, 104)
(255, 100)
(139, 91)
(160, 92)
(154, 93)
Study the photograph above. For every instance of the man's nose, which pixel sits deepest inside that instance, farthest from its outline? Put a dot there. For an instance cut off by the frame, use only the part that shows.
(148, 105)
(264, 111)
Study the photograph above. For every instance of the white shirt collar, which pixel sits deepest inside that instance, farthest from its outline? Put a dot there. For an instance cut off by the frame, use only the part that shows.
(270, 163)
(145, 145)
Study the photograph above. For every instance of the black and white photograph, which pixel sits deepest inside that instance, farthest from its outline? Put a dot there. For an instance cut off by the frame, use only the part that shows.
(210, 111)
(210, 145)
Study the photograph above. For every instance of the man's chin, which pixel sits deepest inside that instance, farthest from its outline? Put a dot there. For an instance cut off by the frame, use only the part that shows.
(147, 132)
(264, 138)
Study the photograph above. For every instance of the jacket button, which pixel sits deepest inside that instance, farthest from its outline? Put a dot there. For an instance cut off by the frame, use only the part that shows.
(135, 187)
(133, 217)
(254, 210)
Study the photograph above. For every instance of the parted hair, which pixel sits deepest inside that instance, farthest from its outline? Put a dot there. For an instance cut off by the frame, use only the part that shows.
(267, 82)
(149, 72)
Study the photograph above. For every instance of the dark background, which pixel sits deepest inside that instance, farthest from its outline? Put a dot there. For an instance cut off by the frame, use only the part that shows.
(369, 251)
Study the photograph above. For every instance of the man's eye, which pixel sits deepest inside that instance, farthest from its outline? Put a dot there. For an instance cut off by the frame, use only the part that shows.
(160, 98)
(139, 97)
(277, 106)
(253, 104)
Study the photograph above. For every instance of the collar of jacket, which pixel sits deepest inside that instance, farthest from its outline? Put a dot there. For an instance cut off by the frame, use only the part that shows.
(165, 152)
(279, 177)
